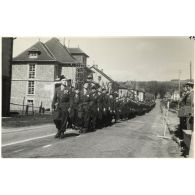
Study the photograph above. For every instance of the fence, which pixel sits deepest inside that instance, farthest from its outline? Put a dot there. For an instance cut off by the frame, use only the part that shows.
(28, 109)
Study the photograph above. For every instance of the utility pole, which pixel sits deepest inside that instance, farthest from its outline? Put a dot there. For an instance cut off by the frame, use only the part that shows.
(179, 86)
(64, 40)
(190, 71)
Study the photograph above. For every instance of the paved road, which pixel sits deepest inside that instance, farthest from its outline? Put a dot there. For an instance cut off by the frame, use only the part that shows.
(137, 137)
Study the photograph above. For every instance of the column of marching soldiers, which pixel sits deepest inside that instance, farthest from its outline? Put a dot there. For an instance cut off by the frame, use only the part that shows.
(91, 108)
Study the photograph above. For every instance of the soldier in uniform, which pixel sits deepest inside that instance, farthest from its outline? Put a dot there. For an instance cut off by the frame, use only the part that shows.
(75, 109)
(85, 100)
(111, 108)
(61, 105)
(117, 109)
(105, 99)
(72, 93)
(93, 106)
(190, 102)
(182, 124)
(99, 122)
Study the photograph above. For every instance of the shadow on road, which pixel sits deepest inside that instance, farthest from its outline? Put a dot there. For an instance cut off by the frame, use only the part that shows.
(71, 135)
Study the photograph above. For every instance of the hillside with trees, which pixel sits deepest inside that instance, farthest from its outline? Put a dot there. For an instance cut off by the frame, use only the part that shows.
(155, 87)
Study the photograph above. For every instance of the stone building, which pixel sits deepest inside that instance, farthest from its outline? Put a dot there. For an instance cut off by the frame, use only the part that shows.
(36, 71)
(82, 71)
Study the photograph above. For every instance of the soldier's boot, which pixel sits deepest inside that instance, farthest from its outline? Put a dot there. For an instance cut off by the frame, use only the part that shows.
(80, 130)
(83, 130)
(62, 135)
(57, 134)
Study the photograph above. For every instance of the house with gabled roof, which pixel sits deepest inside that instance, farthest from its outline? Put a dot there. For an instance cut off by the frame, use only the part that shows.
(36, 70)
(83, 70)
(100, 77)
(122, 90)
(79, 55)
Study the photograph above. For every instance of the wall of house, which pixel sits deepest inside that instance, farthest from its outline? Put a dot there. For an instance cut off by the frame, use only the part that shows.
(44, 86)
(122, 92)
(141, 96)
(81, 58)
(45, 72)
(70, 73)
(103, 82)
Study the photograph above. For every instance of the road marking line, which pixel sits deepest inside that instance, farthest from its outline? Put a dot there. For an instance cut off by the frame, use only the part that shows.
(18, 150)
(46, 146)
(26, 140)
(5, 131)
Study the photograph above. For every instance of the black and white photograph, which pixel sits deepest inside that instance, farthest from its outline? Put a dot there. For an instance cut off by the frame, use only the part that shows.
(97, 97)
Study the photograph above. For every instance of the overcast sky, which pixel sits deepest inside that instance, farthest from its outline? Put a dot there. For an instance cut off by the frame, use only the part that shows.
(131, 58)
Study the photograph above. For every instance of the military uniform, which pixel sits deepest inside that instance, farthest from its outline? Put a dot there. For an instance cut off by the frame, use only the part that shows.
(117, 110)
(75, 110)
(93, 108)
(105, 119)
(190, 102)
(61, 104)
(85, 99)
(111, 109)
(99, 118)
(72, 94)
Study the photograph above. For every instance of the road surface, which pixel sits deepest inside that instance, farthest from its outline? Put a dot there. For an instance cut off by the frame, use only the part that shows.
(134, 138)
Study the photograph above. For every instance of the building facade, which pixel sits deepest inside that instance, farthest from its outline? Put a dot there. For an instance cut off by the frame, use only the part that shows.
(36, 71)
(141, 96)
(103, 79)
(82, 71)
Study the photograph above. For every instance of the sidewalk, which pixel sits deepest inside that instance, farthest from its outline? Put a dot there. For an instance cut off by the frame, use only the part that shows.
(26, 121)
(172, 122)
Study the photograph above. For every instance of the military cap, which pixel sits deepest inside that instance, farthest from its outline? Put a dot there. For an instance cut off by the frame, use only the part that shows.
(191, 84)
(86, 85)
(97, 86)
(115, 94)
(99, 89)
(77, 90)
(90, 77)
(62, 77)
(93, 87)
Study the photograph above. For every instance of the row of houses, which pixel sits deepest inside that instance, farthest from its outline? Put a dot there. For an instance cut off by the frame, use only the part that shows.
(36, 71)
(175, 95)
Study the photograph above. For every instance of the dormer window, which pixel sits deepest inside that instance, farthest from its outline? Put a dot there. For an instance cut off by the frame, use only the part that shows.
(34, 53)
